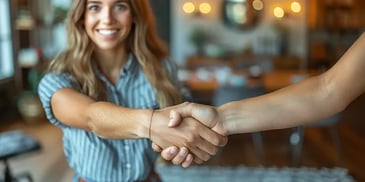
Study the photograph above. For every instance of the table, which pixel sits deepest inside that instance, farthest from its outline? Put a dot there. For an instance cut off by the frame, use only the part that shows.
(281, 78)
(14, 143)
(202, 83)
(202, 87)
(272, 80)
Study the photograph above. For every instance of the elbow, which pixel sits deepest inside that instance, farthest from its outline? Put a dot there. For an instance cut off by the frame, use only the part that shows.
(341, 107)
(92, 124)
(334, 95)
(342, 103)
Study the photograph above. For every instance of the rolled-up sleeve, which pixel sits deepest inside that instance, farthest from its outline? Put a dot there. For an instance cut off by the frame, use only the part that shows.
(49, 84)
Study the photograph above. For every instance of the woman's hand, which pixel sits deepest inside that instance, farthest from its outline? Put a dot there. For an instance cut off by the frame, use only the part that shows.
(199, 139)
(207, 115)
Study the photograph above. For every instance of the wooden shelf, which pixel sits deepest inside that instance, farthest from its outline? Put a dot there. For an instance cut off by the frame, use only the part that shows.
(25, 24)
(25, 35)
(333, 26)
(336, 14)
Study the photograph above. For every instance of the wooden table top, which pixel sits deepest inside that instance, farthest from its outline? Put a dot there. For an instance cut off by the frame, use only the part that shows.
(272, 80)
(281, 78)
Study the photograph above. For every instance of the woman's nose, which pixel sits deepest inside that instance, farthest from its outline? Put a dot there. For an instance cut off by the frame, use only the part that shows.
(107, 15)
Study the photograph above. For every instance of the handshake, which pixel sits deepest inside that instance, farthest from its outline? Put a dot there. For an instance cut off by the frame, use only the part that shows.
(194, 133)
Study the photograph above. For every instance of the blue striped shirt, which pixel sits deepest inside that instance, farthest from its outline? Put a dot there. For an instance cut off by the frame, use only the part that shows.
(106, 160)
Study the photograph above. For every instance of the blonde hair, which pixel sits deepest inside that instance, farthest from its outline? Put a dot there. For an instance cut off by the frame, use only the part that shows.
(143, 41)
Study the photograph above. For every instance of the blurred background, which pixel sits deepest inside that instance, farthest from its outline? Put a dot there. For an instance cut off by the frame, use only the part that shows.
(222, 47)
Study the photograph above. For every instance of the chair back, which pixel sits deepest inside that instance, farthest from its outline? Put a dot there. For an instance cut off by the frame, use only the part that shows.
(226, 94)
(331, 120)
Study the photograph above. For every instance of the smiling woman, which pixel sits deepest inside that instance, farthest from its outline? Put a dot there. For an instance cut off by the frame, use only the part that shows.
(107, 86)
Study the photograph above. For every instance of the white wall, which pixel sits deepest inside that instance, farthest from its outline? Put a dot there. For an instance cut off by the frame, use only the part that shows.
(231, 39)
(52, 36)
(6, 50)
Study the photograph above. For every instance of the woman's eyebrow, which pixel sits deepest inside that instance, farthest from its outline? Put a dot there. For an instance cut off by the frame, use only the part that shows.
(121, 1)
(93, 1)
(99, 1)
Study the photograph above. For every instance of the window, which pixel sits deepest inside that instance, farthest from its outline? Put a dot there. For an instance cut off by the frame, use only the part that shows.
(6, 49)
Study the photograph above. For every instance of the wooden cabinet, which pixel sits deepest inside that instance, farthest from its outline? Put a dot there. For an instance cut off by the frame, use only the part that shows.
(336, 14)
(333, 26)
(25, 23)
(25, 39)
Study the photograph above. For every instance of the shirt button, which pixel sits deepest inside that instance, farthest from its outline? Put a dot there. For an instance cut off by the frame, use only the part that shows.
(128, 166)
(126, 147)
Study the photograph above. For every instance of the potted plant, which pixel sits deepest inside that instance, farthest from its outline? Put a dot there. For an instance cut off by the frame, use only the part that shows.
(198, 39)
(28, 103)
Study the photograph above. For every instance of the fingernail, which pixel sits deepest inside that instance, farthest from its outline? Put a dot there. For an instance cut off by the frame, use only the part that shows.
(182, 152)
(189, 157)
(173, 150)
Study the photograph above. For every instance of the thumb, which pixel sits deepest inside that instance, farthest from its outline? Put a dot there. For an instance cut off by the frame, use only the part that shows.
(207, 115)
(175, 119)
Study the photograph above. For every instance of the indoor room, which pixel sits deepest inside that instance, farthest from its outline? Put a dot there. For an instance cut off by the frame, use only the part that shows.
(223, 51)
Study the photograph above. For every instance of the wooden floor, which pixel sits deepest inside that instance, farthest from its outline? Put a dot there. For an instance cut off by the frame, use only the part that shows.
(319, 151)
(48, 164)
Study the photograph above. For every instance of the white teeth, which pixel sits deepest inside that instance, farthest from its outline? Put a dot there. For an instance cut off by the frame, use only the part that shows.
(107, 32)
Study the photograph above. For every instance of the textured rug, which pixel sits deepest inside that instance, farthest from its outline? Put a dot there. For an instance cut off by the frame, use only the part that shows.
(170, 173)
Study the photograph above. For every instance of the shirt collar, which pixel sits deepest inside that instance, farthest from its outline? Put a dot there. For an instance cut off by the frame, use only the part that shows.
(129, 68)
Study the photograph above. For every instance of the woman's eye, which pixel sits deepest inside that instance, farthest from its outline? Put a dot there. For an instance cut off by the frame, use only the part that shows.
(121, 7)
(94, 8)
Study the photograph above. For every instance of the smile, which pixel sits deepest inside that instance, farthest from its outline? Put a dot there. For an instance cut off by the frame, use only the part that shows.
(108, 32)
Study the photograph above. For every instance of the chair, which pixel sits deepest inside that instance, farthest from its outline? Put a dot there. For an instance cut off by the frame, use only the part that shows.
(297, 137)
(225, 94)
(15, 143)
(287, 62)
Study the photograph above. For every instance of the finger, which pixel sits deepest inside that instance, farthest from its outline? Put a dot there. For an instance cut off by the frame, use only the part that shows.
(169, 153)
(207, 147)
(197, 160)
(199, 153)
(213, 138)
(180, 157)
(206, 140)
(188, 161)
(156, 148)
(175, 119)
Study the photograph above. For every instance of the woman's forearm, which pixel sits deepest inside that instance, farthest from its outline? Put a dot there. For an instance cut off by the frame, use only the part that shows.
(112, 121)
(291, 106)
(105, 119)
(307, 101)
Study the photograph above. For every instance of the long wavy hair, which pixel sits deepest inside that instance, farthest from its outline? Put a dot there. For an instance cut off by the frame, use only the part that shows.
(143, 41)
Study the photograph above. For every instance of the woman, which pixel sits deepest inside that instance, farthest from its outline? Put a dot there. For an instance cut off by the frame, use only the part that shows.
(103, 88)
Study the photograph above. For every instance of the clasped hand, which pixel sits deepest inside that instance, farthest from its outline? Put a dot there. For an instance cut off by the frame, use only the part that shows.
(194, 133)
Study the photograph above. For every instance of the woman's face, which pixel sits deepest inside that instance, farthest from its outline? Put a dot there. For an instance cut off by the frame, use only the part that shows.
(108, 22)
